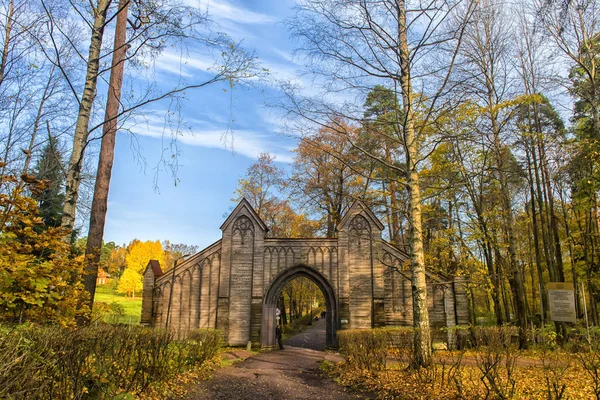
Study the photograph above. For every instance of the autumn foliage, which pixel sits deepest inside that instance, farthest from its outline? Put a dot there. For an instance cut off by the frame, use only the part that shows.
(139, 253)
(130, 282)
(136, 259)
(486, 365)
(40, 278)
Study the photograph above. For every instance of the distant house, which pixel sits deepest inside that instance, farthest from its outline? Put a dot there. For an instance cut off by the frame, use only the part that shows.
(103, 278)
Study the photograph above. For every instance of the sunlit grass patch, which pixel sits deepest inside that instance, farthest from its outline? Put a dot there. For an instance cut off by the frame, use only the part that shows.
(131, 308)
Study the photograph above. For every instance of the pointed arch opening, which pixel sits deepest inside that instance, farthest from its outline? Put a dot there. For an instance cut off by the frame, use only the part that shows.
(269, 317)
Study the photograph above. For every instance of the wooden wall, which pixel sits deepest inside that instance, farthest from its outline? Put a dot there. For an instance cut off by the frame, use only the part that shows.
(224, 285)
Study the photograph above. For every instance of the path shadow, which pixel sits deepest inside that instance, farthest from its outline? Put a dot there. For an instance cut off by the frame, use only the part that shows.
(313, 337)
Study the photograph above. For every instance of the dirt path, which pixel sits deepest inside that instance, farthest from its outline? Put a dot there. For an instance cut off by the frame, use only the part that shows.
(291, 374)
(312, 337)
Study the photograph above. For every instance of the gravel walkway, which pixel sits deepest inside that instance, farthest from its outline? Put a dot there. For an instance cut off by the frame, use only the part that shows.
(292, 373)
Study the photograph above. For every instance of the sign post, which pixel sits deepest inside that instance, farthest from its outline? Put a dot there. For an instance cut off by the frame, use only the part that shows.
(561, 301)
(542, 313)
(587, 324)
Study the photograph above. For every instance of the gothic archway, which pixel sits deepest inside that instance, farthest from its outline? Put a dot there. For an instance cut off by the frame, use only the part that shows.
(267, 333)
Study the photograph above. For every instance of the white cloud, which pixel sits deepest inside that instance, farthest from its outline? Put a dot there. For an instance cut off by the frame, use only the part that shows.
(183, 65)
(286, 55)
(224, 10)
(286, 72)
(272, 117)
(245, 142)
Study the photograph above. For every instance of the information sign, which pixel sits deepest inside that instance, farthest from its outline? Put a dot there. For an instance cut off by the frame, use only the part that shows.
(561, 300)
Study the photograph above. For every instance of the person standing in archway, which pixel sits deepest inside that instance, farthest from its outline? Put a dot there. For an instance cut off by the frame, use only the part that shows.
(279, 337)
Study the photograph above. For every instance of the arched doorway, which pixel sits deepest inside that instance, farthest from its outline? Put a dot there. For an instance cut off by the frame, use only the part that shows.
(267, 333)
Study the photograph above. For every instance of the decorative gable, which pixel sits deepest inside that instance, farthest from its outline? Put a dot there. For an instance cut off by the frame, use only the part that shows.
(244, 209)
(359, 208)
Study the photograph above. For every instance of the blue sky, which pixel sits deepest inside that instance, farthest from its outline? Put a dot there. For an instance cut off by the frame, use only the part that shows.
(209, 165)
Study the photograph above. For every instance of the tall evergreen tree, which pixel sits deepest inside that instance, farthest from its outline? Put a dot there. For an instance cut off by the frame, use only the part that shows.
(49, 168)
(382, 125)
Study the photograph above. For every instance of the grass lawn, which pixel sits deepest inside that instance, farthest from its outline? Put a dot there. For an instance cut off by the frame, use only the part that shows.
(133, 307)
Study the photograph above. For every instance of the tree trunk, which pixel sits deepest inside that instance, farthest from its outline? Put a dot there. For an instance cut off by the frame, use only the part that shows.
(422, 335)
(394, 236)
(514, 272)
(595, 257)
(282, 309)
(494, 273)
(563, 206)
(543, 224)
(7, 32)
(472, 302)
(560, 274)
(500, 281)
(534, 305)
(80, 137)
(107, 153)
(536, 240)
(388, 208)
(586, 257)
(596, 117)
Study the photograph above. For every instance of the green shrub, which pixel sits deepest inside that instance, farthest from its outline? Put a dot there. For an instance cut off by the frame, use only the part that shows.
(364, 348)
(200, 345)
(400, 337)
(96, 362)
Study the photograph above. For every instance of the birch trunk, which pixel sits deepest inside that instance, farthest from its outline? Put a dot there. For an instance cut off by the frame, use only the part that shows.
(80, 137)
(7, 33)
(422, 335)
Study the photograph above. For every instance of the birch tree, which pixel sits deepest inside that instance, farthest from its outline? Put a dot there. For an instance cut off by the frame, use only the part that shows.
(409, 47)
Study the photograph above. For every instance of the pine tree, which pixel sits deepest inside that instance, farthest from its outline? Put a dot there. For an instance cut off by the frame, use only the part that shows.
(49, 169)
